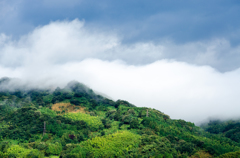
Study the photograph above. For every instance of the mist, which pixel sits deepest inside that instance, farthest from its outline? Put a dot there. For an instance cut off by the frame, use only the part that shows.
(145, 74)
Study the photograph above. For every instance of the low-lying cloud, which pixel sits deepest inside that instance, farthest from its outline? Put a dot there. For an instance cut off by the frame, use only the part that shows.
(144, 74)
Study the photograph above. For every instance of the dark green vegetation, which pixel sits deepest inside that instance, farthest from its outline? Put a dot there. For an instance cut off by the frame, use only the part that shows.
(229, 129)
(89, 125)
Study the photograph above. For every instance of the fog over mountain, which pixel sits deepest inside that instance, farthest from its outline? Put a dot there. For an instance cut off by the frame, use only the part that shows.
(144, 73)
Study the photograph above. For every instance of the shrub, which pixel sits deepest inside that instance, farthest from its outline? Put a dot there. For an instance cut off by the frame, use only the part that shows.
(106, 123)
(92, 121)
(18, 151)
(47, 111)
(113, 145)
(230, 155)
(40, 146)
(185, 147)
(72, 137)
(134, 123)
(102, 108)
(45, 137)
(54, 149)
(75, 102)
(67, 95)
(126, 119)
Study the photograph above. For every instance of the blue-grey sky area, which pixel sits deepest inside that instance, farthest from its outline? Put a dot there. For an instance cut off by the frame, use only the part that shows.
(178, 56)
(135, 21)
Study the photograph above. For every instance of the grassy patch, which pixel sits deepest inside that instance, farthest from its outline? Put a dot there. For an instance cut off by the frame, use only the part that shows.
(18, 151)
(93, 122)
(112, 145)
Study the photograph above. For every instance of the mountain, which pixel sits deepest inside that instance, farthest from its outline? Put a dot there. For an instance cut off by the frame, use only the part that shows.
(229, 128)
(75, 122)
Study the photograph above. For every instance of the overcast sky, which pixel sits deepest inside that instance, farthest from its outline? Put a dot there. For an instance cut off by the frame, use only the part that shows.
(180, 57)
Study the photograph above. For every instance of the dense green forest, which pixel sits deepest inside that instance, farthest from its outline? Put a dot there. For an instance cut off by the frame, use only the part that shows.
(229, 129)
(75, 122)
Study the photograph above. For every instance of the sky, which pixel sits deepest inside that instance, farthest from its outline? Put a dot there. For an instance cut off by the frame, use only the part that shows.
(180, 57)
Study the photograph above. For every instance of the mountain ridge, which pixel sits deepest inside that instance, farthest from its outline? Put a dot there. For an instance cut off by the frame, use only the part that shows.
(80, 123)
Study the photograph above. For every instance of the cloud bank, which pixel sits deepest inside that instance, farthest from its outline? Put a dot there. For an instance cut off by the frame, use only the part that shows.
(61, 51)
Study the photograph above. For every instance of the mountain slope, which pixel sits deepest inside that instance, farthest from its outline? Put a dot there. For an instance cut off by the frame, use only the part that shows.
(228, 128)
(80, 123)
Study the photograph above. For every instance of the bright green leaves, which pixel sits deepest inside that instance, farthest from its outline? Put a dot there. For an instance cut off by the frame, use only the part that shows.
(112, 145)
(18, 151)
(93, 122)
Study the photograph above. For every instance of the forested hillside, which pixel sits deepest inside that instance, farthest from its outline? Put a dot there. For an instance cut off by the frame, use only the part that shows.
(75, 122)
(229, 128)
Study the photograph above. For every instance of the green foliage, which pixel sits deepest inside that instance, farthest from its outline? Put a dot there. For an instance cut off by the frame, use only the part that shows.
(92, 121)
(75, 102)
(47, 99)
(45, 137)
(23, 123)
(235, 154)
(47, 111)
(42, 146)
(102, 108)
(54, 149)
(72, 137)
(106, 123)
(229, 129)
(124, 103)
(185, 147)
(152, 145)
(134, 123)
(5, 109)
(114, 145)
(107, 129)
(18, 151)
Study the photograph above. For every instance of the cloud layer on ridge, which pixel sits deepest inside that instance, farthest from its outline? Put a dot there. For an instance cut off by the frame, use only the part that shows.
(61, 51)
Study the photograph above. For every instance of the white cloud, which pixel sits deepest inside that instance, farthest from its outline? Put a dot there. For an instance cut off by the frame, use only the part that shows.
(63, 51)
(178, 89)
